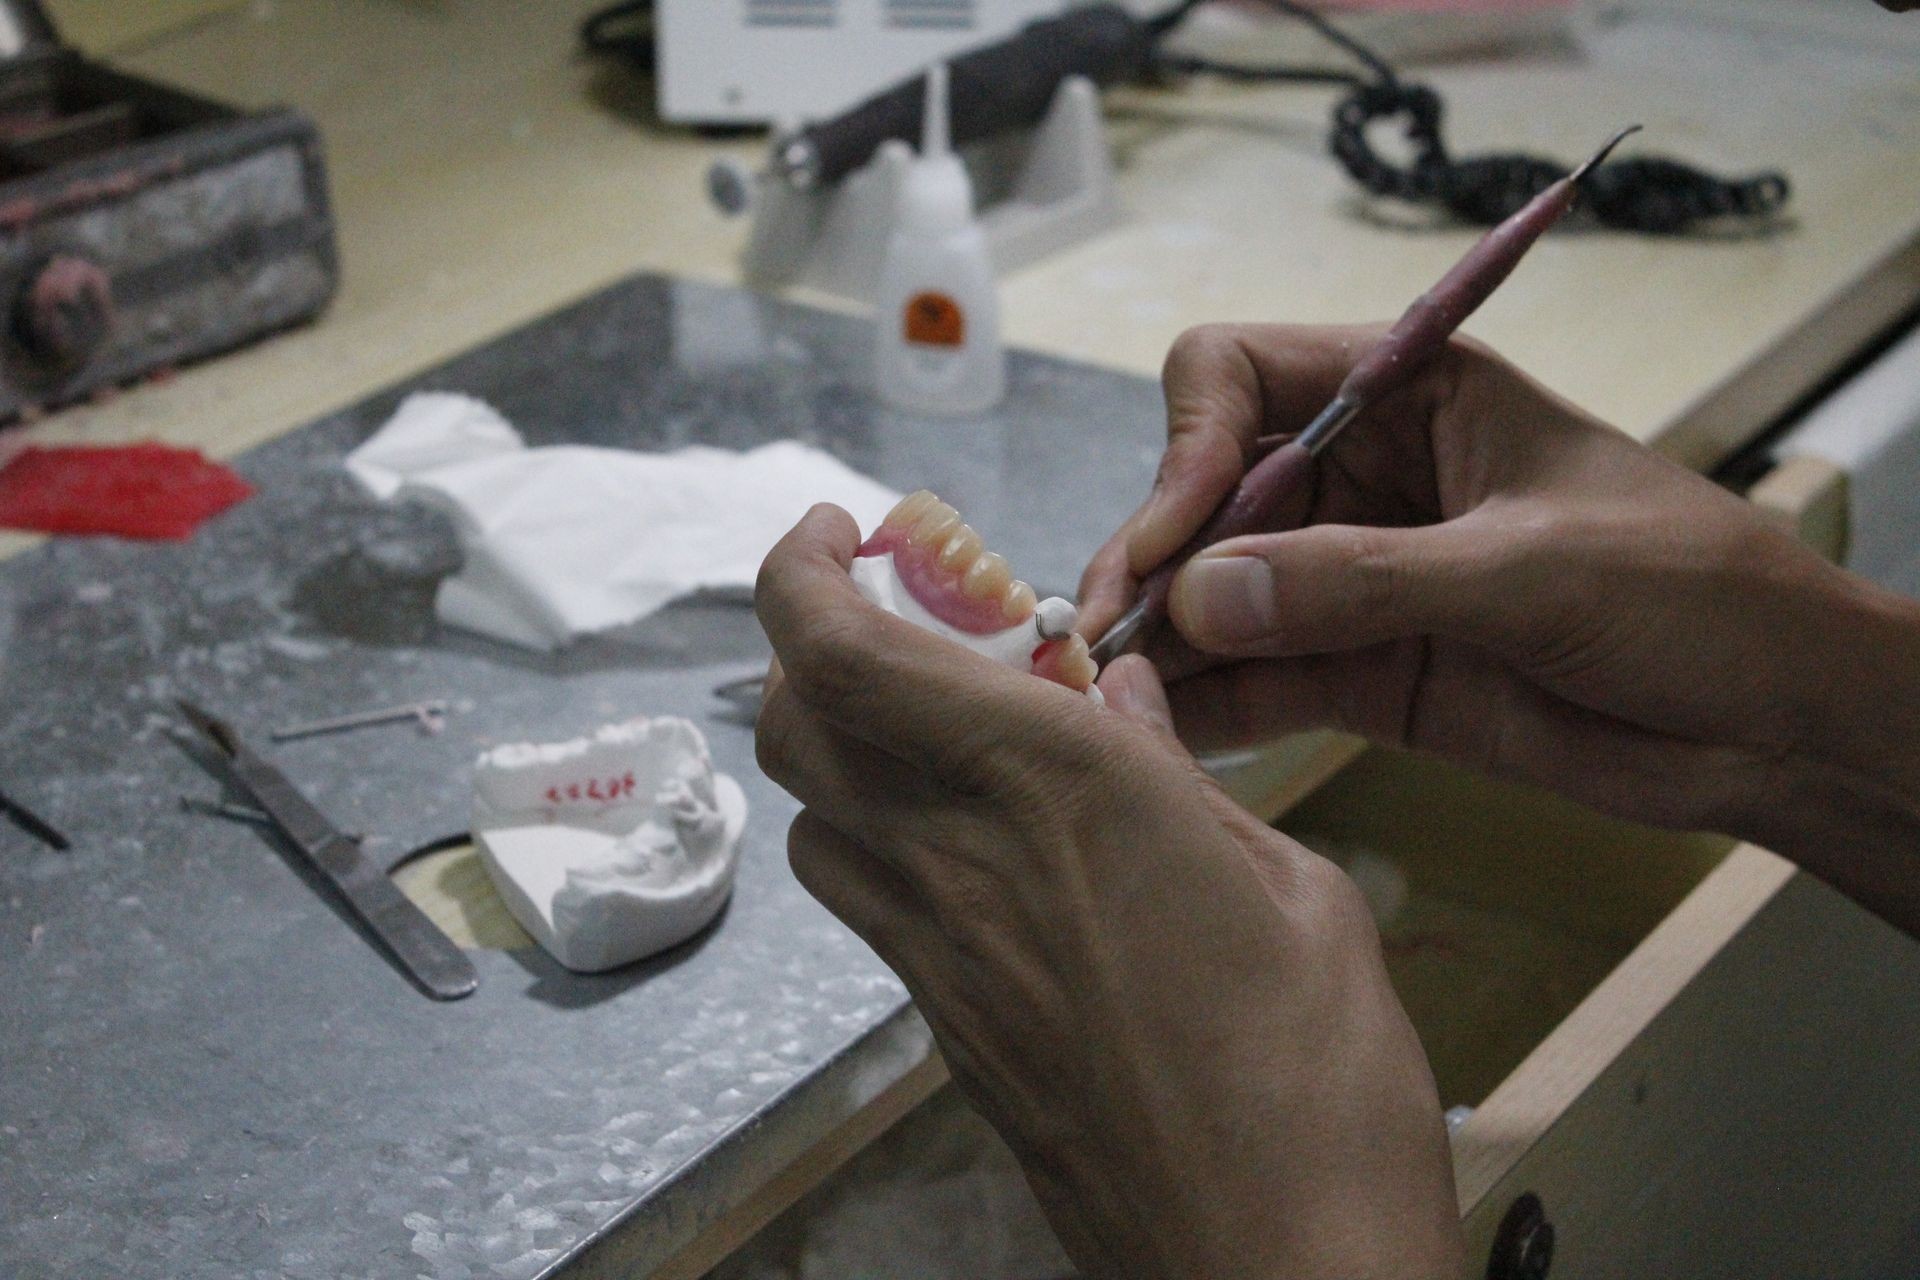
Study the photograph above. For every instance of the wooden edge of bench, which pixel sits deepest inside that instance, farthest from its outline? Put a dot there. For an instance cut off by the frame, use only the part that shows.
(1528, 1102)
(1808, 497)
(741, 1222)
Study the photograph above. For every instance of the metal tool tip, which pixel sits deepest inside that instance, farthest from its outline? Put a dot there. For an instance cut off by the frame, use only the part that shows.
(1601, 155)
(215, 729)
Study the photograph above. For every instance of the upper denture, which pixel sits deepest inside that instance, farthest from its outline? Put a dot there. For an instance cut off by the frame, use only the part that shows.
(946, 567)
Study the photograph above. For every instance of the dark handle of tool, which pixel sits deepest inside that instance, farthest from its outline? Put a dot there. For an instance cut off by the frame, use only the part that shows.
(1273, 496)
(991, 90)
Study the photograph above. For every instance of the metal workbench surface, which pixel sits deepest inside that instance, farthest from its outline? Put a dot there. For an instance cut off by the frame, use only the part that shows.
(209, 1073)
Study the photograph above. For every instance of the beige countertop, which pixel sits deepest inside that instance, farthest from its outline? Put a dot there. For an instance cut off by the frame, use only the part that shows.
(485, 172)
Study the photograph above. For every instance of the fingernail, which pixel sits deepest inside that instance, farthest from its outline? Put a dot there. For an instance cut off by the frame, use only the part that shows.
(1225, 600)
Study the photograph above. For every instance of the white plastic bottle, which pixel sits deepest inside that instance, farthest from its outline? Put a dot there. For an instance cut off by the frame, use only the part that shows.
(938, 317)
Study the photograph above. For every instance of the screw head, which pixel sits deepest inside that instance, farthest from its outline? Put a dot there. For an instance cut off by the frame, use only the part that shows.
(1523, 1248)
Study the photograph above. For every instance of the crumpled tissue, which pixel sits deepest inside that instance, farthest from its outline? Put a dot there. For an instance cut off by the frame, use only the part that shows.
(565, 540)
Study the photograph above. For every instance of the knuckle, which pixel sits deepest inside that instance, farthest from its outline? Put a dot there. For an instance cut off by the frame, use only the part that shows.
(803, 853)
(1329, 911)
(774, 737)
(822, 661)
(973, 762)
(1466, 355)
(811, 860)
(1197, 347)
(1378, 570)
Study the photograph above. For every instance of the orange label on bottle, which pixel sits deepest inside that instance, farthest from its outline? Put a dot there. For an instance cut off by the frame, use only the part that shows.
(935, 320)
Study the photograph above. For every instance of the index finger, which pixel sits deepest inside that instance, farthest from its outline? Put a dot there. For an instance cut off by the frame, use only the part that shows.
(936, 705)
(1226, 386)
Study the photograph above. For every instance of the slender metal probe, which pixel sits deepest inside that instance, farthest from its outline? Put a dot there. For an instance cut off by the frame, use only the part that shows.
(33, 824)
(1274, 492)
(430, 715)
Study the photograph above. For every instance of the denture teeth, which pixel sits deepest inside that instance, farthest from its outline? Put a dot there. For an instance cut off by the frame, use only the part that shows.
(907, 512)
(936, 526)
(1020, 602)
(988, 577)
(1077, 666)
(963, 547)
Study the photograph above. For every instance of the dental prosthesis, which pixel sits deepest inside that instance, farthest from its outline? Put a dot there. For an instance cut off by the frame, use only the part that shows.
(924, 565)
(611, 847)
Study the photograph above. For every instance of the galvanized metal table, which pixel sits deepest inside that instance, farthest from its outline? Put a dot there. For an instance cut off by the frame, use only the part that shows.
(209, 1074)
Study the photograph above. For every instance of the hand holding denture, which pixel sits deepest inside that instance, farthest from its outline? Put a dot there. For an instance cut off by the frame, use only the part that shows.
(1173, 1013)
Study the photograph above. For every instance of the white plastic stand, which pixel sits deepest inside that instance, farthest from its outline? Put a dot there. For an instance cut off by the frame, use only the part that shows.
(1039, 192)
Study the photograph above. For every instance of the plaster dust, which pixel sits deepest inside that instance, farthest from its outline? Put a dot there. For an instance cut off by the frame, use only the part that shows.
(611, 847)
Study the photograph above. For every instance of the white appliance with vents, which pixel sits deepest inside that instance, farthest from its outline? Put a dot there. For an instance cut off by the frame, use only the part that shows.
(783, 62)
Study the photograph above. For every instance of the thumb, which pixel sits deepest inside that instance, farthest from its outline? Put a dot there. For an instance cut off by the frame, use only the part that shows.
(1334, 587)
(1133, 690)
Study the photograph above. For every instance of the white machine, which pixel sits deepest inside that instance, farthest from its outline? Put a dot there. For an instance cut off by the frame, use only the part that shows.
(785, 61)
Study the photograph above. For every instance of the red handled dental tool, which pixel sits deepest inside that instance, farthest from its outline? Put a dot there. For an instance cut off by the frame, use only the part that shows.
(1276, 483)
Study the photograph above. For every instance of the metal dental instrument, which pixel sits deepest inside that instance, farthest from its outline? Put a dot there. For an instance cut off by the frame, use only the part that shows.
(441, 969)
(226, 809)
(1277, 484)
(431, 715)
(33, 824)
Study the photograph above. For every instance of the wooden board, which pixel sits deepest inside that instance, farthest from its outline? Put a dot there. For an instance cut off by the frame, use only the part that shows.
(1807, 496)
(106, 27)
(1736, 1101)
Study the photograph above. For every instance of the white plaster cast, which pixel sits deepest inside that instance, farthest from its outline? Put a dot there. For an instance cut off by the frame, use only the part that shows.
(877, 581)
(611, 847)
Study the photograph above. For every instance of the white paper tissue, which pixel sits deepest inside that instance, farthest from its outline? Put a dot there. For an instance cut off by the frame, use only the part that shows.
(565, 540)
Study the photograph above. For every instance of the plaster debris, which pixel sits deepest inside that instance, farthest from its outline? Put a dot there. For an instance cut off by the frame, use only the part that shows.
(611, 847)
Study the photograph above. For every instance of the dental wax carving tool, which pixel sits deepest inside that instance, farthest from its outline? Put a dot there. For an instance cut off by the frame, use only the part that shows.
(611, 847)
(924, 565)
(1275, 491)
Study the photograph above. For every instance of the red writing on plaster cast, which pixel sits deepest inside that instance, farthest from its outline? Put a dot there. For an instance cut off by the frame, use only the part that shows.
(594, 789)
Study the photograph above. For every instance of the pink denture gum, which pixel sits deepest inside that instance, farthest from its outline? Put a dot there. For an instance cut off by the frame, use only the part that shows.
(936, 589)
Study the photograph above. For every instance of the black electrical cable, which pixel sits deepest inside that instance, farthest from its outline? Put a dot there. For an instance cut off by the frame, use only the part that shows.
(625, 29)
(1646, 194)
(1643, 193)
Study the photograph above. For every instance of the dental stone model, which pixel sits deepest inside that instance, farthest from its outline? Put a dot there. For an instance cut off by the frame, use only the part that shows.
(924, 565)
(610, 847)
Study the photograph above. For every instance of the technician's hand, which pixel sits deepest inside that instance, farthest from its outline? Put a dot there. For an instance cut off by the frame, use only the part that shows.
(1178, 1018)
(1494, 576)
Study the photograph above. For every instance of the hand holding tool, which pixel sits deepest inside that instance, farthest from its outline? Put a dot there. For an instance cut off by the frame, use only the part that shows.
(1274, 485)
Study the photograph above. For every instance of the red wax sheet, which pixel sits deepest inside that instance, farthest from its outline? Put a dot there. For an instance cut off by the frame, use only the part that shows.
(147, 490)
